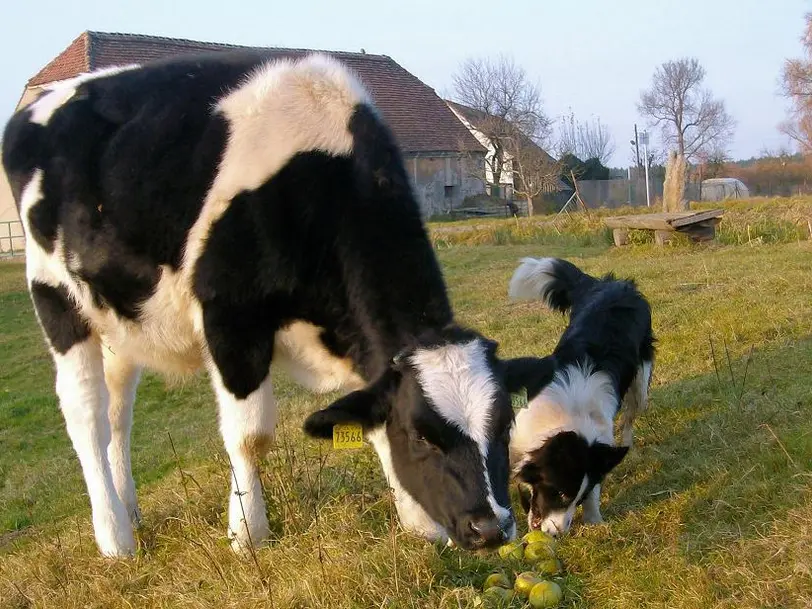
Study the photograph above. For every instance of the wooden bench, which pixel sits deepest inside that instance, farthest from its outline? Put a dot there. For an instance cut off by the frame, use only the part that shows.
(698, 225)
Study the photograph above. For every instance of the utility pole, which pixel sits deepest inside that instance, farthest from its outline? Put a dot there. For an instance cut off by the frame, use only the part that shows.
(636, 145)
(644, 138)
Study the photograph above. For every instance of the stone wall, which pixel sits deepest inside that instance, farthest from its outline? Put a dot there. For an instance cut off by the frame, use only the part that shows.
(442, 181)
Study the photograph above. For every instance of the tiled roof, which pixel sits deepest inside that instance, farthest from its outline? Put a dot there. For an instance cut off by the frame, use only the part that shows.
(420, 119)
(70, 62)
(478, 117)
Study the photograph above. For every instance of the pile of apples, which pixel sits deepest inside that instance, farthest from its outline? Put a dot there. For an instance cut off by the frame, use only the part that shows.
(536, 549)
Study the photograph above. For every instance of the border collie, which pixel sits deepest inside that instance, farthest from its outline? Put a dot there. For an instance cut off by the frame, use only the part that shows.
(562, 443)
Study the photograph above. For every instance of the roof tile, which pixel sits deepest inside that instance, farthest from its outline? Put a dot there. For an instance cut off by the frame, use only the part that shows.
(419, 118)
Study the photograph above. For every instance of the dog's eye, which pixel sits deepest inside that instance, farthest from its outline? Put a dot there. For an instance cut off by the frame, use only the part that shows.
(562, 496)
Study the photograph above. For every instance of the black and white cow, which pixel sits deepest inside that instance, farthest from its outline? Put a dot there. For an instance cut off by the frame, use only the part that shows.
(227, 211)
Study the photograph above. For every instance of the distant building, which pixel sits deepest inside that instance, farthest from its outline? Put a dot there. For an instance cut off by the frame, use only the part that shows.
(437, 148)
(719, 189)
(479, 123)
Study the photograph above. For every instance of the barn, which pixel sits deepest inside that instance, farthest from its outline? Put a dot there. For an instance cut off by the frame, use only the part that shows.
(437, 147)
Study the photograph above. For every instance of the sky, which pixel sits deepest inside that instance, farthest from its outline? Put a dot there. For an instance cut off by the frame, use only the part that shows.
(592, 57)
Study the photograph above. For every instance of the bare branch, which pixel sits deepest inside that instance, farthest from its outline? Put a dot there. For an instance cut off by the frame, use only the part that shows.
(504, 110)
(689, 118)
(796, 83)
(585, 140)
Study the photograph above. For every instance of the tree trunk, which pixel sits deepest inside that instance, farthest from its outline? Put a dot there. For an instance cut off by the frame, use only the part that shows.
(496, 169)
(529, 205)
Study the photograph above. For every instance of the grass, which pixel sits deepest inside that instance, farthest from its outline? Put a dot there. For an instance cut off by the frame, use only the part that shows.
(746, 222)
(712, 508)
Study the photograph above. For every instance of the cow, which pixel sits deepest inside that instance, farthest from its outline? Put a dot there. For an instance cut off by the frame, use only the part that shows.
(229, 212)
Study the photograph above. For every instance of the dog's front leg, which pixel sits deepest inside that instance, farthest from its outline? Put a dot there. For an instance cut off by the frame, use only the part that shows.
(592, 506)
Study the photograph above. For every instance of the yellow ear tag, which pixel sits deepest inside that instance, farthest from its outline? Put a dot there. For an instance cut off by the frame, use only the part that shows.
(348, 436)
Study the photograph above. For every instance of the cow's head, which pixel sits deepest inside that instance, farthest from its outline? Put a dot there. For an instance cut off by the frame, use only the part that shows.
(440, 418)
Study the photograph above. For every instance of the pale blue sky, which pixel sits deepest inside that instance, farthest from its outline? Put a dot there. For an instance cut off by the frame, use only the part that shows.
(593, 56)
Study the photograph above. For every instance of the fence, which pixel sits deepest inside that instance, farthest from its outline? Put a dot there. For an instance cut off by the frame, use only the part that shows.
(621, 192)
(618, 193)
(12, 239)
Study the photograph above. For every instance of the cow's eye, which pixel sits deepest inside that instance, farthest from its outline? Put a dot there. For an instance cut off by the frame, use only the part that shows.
(419, 438)
(424, 442)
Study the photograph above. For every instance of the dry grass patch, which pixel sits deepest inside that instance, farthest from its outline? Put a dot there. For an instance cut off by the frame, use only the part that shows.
(710, 509)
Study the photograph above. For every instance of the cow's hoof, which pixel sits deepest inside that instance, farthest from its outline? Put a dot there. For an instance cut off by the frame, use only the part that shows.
(115, 541)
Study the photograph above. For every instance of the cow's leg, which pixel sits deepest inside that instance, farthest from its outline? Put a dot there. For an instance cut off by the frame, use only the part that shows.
(241, 346)
(122, 377)
(83, 399)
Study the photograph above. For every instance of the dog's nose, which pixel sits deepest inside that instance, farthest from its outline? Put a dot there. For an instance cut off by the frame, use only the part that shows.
(487, 531)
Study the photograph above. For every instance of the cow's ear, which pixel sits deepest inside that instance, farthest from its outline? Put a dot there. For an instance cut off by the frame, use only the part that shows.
(368, 407)
(531, 373)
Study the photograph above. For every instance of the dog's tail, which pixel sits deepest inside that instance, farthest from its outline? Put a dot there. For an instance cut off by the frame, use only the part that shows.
(557, 282)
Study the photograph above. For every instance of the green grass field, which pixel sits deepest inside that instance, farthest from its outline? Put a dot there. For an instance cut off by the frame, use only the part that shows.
(712, 508)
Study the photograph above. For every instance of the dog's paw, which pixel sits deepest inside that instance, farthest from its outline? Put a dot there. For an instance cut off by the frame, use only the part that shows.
(593, 518)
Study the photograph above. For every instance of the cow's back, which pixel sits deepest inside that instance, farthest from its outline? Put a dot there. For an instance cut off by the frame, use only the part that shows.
(221, 177)
(125, 163)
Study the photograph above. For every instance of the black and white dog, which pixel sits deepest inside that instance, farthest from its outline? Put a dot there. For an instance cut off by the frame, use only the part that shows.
(562, 443)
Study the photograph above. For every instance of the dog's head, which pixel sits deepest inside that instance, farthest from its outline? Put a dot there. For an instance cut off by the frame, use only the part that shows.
(555, 478)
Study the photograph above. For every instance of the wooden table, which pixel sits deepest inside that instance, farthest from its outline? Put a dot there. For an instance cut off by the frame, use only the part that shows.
(698, 225)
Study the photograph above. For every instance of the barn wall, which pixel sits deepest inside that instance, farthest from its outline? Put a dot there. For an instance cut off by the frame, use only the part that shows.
(11, 230)
(443, 180)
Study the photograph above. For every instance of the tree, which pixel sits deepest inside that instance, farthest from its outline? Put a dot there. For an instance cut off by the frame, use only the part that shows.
(585, 140)
(534, 172)
(712, 164)
(507, 111)
(591, 169)
(690, 118)
(796, 81)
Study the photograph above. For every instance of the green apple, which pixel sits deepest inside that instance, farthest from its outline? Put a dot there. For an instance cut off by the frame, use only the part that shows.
(536, 536)
(538, 551)
(512, 551)
(497, 597)
(545, 594)
(525, 582)
(548, 566)
(497, 580)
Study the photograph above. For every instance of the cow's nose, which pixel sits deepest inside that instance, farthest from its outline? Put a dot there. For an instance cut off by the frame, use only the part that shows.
(487, 531)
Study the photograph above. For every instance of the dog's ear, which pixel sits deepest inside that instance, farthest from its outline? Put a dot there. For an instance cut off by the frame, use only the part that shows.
(530, 471)
(603, 458)
(531, 373)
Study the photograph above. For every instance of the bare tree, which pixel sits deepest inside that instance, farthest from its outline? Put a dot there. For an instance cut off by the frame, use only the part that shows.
(585, 140)
(509, 111)
(796, 81)
(690, 118)
(534, 171)
(711, 163)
